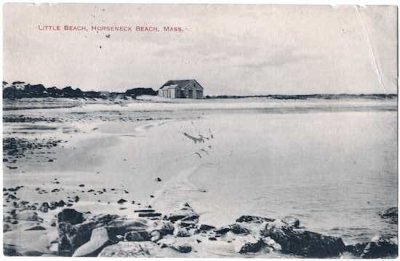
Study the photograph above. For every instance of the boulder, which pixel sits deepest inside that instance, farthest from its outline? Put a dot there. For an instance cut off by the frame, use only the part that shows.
(303, 243)
(155, 236)
(71, 216)
(137, 236)
(121, 201)
(73, 236)
(182, 248)
(248, 244)
(6, 227)
(149, 215)
(122, 226)
(204, 227)
(166, 242)
(390, 214)
(184, 213)
(291, 221)
(10, 250)
(239, 229)
(181, 232)
(272, 244)
(378, 248)
(28, 243)
(222, 230)
(125, 249)
(188, 223)
(29, 215)
(166, 228)
(98, 240)
(253, 219)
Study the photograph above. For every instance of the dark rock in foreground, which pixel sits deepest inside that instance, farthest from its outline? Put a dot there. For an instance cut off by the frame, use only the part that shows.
(86, 235)
(185, 213)
(125, 249)
(379, 248)
(303, 243)
(98, 240)
(390, 214)
(70, 216)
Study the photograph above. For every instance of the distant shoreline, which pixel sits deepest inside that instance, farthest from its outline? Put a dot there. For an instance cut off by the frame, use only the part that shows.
(19, 90)
(307, 96)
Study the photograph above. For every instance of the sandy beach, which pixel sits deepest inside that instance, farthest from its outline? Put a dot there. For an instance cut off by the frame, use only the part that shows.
(332, 165)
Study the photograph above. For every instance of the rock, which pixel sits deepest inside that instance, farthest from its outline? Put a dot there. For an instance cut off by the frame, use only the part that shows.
(204, 227)
(29, 215)
(146, 210)
(166, 242)
(390, 214)
(187, 223)
(166, 228)
(71, 216)
(379, 248)
(61, 203)
(125, 249)
(291, 221)
(182, 248)
(155, 236)
(149, 214)
(137, 236)
(253, 219)
(158, 179)
(35, 228)
(6, 227)
(10, 250)
(239, 229)
(73, 236)
(122, 226)
(121, 201)
(98, 240)
(44, 207)
(28, 243)
(181, 232)
(248, 244)
(222, 230)
(184, 213)
(303, 243)
(272, 244)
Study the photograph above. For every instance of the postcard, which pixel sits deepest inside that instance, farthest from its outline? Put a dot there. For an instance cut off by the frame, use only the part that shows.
(200, 130)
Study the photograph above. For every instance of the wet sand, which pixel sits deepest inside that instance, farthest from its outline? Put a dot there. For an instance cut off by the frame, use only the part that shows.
(312, 160)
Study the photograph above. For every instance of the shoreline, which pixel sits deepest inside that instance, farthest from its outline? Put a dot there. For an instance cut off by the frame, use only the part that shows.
(212, 161)
(179, 233)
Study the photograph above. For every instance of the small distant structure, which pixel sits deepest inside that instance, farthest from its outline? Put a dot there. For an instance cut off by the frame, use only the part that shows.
(189, 89)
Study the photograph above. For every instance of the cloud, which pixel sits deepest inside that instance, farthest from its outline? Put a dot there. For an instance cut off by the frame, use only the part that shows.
(277, 58)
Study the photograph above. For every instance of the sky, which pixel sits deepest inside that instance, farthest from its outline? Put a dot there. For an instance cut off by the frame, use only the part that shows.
(228, 49)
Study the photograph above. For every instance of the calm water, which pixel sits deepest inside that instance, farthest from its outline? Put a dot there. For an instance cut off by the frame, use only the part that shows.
(332, 164)
(333, 170)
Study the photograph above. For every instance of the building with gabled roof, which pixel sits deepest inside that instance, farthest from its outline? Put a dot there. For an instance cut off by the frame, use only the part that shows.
(189, 89)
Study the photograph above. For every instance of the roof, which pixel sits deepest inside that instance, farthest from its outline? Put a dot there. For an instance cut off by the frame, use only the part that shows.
(178, 83)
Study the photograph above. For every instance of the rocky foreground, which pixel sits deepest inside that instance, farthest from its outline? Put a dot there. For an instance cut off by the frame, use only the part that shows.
(151, 234)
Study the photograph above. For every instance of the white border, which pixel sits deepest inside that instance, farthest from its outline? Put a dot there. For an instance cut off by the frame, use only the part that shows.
(279, 2)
